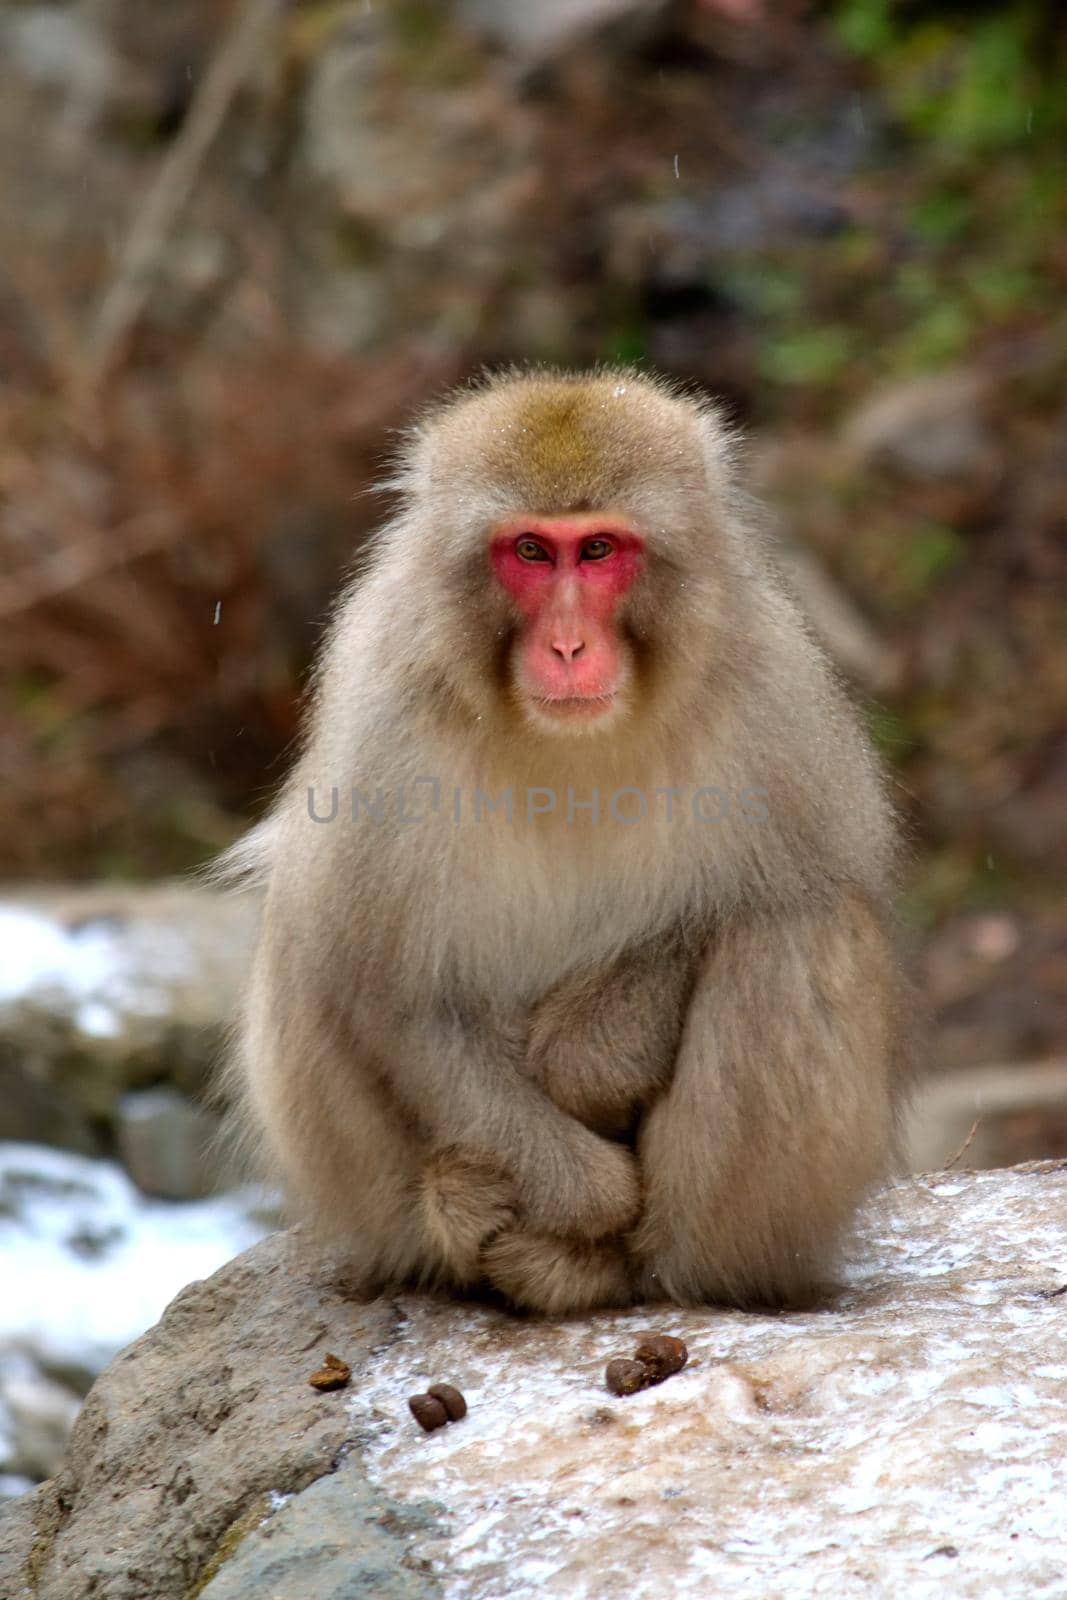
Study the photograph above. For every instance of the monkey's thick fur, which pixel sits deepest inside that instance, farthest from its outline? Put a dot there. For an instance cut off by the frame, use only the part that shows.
(583, 1056)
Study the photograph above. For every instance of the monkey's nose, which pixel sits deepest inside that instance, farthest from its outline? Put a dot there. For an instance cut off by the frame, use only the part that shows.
(568, 649)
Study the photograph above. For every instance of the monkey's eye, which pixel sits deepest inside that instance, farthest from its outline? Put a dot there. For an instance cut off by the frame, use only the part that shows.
(596, 549)
(530, 550)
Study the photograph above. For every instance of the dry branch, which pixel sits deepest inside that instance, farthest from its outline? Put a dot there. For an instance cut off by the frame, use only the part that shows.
(125, 298)
(73, 565)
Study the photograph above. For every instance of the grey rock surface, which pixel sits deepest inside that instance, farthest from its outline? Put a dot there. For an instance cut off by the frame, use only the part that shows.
(335, 1541)
(166, 1142)
(906, 1440)
(16, 1548)
(194, 1436)
(552, 25)
(927, 428)
(984, 1112)
(38, 1413)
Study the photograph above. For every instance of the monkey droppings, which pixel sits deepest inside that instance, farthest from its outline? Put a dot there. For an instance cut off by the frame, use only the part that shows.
(658, 1356)
(333, 1374)
(662, 1354)
(626, 1377)
(451, 1399)
(440, 1404)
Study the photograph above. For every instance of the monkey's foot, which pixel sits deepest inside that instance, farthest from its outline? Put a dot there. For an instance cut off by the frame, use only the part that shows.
(466, 1199)
(541, 1273)
(785, 1282)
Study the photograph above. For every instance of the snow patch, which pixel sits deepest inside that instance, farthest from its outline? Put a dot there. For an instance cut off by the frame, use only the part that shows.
(87, 1263)
(95, 972)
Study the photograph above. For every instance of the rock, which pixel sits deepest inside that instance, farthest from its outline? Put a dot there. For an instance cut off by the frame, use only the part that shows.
(995, 986)
(851, 640)
(928, 428)
(36, 1416)
(387, 209)
(800, 476)
(905, 1439)
(107, 990)
(211, 1423)
(60, 49)
(551, 26)
(16, 1548)
(167, 1144)
(337, 1538)
(1013, 1106)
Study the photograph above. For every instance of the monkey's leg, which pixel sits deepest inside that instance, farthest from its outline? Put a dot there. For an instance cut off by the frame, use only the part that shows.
(362, 1178)
(780, 1115)
(601, 1044)
(352, 1160)
(604, 1040)
(413, 1157)
(346, 1161)
(540, 1273)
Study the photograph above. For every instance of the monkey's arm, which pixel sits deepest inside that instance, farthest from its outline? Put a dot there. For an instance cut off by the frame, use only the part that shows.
(602, 1043)
(780, 1114)
(462, 1083)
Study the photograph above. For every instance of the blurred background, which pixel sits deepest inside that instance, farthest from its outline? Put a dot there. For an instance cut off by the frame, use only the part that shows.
(240, 241)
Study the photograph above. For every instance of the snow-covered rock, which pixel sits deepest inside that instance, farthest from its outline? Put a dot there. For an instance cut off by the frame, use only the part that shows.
(907, 1440)
(106, 990)
(86, 1264)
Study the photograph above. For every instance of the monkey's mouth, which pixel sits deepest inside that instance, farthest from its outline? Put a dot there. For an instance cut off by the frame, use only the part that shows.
(575, 707)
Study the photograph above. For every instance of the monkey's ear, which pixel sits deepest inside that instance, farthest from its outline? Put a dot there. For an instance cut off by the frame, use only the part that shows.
(722, 445)
(407, 469)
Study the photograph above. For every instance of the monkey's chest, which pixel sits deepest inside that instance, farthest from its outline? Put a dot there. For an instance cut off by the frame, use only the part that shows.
(519, 911)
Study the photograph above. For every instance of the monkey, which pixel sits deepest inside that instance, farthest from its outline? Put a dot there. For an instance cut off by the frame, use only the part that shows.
(575, 982)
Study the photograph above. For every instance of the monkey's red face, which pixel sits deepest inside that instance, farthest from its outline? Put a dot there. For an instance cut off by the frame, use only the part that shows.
(568, 576)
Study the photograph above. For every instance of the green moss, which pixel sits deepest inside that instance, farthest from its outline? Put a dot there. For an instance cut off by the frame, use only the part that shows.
(973, 90)
(816, 355)
(417, 24)
(942, 216)
(625, 345)
(961, 878)
(228, 1545)
(1000, 288)
(932, 553)
(867, 27)
(935, 339)
(359, 243)
(967, 85)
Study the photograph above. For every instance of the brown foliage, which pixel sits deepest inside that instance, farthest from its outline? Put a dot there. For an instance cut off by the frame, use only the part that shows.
(166, 559)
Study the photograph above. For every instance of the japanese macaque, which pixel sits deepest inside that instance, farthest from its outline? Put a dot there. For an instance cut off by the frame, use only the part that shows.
(573, 980)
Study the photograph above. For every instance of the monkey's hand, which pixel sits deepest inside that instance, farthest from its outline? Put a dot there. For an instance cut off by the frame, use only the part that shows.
(579, 1187)
(469, 1093)
(467, 1198)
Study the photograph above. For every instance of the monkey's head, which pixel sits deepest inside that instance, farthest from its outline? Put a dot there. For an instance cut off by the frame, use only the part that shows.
(571, 524)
